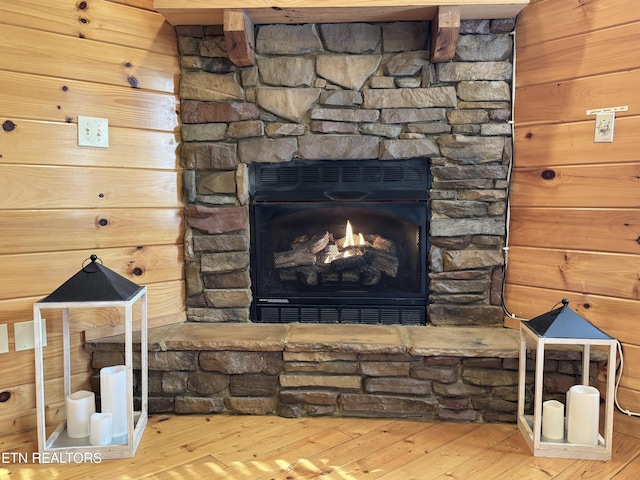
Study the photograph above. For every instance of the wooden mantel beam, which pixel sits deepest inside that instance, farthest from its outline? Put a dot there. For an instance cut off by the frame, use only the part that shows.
(239, 17)
(445, 30)
(238, 31)
(208, 12)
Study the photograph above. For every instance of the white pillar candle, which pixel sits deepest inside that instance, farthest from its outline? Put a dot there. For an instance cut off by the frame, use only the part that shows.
(113, 397)
(553, 420)
(101, 431)
(583, 415)
(80, 405)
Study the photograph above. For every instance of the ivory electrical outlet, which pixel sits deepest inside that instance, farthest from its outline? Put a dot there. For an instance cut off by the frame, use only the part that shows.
(93, 132)
(23, 334)
(4, 339)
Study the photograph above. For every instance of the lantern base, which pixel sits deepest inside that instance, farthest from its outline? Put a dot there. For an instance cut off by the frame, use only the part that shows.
(561, 448)
(60, 448)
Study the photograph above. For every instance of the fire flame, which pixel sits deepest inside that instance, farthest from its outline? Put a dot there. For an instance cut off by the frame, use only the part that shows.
(351, 239)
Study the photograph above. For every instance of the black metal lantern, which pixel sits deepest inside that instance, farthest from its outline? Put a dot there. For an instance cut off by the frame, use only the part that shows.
(576, 434)
(94, 286)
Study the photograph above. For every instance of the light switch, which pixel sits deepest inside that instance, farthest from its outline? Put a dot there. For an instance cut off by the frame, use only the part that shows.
(93, 132)
(23, 334)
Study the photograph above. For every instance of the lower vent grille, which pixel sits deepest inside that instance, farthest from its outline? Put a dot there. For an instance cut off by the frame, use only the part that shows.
(348, 315)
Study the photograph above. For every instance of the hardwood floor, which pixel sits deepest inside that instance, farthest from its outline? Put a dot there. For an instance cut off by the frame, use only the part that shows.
(270, 447)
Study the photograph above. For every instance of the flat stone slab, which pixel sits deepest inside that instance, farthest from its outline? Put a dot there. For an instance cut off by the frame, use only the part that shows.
(463, 341)
(155, 340)
(351, 338)
(388, 339)
(228, 336)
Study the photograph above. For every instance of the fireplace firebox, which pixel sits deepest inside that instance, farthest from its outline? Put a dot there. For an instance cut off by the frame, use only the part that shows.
(339, 241)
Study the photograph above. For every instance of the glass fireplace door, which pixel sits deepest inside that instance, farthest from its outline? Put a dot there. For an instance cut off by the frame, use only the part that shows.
(339, 257)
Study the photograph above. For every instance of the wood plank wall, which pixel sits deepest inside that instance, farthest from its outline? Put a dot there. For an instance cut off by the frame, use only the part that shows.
(59, 202)
(575, 216)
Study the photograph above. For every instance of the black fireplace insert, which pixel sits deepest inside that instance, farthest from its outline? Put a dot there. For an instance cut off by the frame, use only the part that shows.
(339, 241)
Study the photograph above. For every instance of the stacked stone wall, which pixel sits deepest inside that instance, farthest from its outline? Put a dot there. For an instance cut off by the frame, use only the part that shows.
(344, 383)
(349, 91)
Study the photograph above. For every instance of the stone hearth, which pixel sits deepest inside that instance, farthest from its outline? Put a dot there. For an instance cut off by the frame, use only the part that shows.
(434, 373)
(353, 92)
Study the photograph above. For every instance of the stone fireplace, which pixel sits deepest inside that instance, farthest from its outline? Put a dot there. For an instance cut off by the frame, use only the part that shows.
(357, 96)
(351, 92)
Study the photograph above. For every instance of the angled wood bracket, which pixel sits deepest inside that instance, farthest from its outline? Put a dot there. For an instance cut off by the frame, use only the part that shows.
(445, 30)
(238, 31)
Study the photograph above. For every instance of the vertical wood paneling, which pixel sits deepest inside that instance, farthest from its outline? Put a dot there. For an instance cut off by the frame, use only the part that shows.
(95, 188)
(540, 145)
(568, 101)
(552, 19)
(152, 149)
(102, 20)
(42, 98)
(88, 60)
(59, 202)
(583, 55)
(575, 221)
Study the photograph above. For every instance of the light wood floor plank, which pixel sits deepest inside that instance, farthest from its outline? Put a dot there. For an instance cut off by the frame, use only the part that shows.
(204, 440)
(536, 468)
(448, 456)
(280, 440)
(497, 459)
(630, 471)
(625, 449)
(331, 463)
(274, 448)
(403, 452)
(285, 458)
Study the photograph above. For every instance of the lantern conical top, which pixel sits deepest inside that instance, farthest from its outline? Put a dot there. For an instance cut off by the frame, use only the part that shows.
(94, 283)
(563, 322)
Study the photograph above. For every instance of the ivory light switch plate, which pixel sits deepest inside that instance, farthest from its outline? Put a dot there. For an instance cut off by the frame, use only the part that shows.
(93, 132)
(23, 333)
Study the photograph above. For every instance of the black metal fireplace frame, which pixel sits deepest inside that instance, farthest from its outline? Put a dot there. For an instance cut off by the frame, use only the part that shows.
(398, 186)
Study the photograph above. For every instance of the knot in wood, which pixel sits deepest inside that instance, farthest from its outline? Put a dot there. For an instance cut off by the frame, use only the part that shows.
(8, 126)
